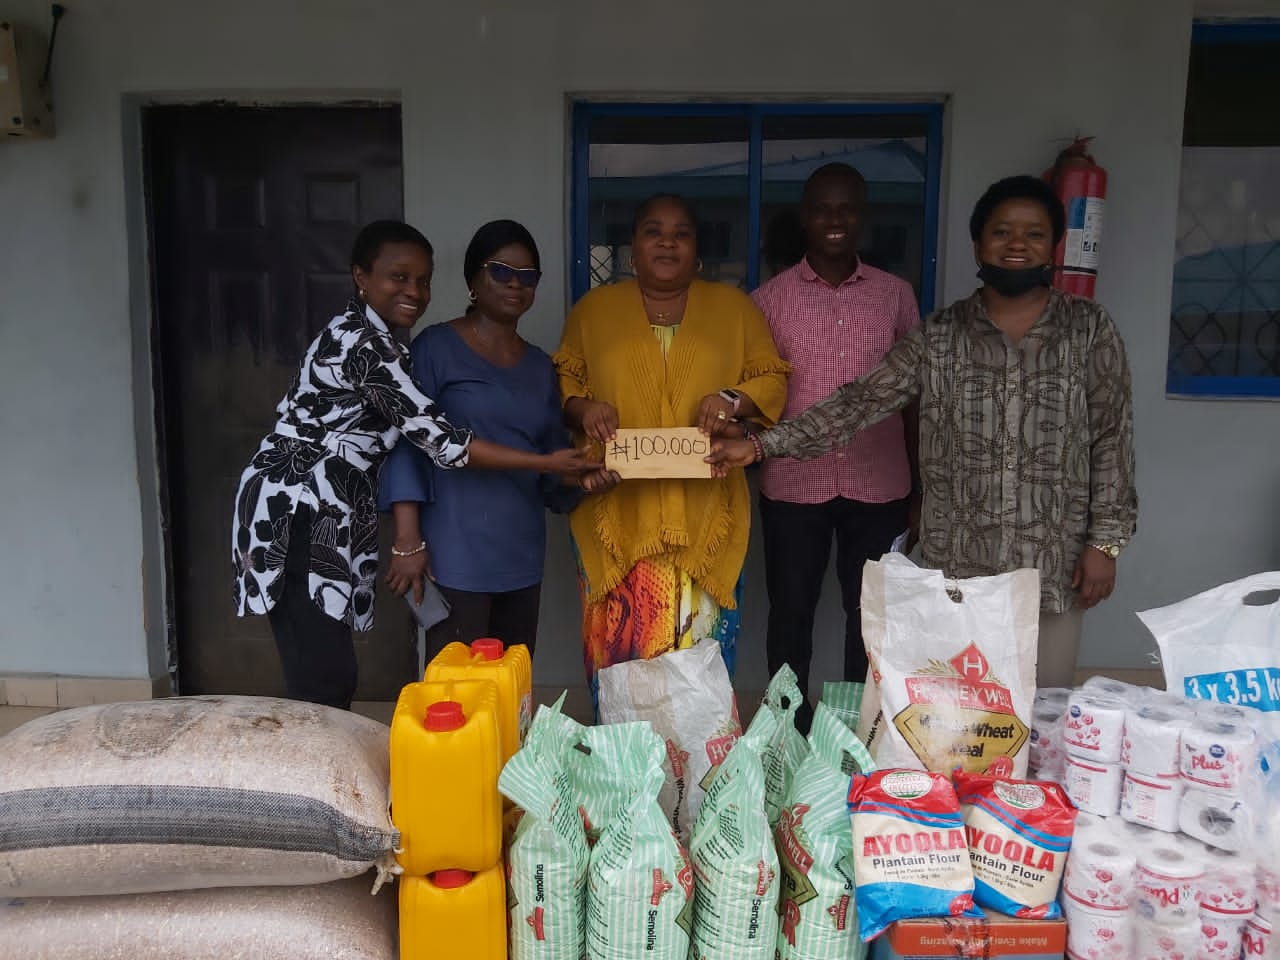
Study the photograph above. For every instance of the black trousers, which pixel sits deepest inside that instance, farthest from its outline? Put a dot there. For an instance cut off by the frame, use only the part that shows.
(511, 617)
(797, 546)
(316, 651)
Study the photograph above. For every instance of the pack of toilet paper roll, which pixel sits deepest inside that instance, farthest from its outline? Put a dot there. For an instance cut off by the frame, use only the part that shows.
(1174, 847)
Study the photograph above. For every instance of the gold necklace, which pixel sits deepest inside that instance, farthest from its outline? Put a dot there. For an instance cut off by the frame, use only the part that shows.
(658, 315)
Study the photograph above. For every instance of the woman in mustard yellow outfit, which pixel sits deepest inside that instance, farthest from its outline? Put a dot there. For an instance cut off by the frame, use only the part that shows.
(661, 560)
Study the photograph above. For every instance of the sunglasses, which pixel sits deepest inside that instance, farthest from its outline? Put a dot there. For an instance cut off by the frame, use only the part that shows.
(504, 273)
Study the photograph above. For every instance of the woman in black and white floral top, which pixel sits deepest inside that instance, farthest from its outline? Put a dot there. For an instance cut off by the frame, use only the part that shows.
(305, 532)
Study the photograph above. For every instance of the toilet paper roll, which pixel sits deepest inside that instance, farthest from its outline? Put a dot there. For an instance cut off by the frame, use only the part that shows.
(1222, 712)
(1100, 876)
(1216, 820)
(1052, 696)
(1151, 801)
(1051, 773)
(1089, 824)
(1166, 885)
(1098, 934)
(1094, 727)
(1268, 889)
(1094, 787)
(1220, 936)
(1135, 836)
(1156, 941)
(1152, 738)
(1130, 693)
(1258, 940)
(1045, 749)
(1219, 755)
(1230, 884)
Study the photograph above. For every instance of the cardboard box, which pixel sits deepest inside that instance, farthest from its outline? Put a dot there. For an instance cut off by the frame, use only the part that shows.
(996, 935)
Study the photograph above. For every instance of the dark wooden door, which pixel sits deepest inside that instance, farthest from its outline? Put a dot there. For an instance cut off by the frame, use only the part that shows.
(252, 214)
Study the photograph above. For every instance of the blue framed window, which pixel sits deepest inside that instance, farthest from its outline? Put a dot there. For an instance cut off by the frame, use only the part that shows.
(743, 166)
(1224, 328)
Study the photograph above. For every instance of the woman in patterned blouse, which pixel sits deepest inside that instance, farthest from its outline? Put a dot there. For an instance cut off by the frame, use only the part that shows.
(1026, 423)
(305, 533)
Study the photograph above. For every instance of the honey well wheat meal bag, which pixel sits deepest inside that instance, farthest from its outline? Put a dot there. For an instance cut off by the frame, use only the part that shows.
(953, 666)
(192, 792)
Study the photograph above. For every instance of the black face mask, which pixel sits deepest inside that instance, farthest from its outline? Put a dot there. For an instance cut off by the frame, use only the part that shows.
(1014, 283)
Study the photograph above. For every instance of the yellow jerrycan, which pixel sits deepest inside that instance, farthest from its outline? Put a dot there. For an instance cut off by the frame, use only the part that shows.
(509, 668)
(444, 776)
(454, 915)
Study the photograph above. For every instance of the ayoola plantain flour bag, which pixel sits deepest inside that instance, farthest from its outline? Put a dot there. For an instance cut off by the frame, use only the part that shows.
(639, 883)
(735, 867)
(910, 854)
(1019, 833)
(818, 918)
(547, 857)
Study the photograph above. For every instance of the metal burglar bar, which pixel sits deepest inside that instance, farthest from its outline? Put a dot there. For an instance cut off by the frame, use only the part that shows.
(1224, 329)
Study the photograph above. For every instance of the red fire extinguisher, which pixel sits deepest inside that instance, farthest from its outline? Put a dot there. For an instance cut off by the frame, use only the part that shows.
(1081, 185)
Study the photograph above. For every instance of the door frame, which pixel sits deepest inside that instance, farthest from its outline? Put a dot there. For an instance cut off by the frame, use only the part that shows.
(158, 600)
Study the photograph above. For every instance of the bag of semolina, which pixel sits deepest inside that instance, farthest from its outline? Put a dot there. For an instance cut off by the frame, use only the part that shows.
(786, 747)
(818, 917)
(547, 856)
(735, 866)
(639, 883)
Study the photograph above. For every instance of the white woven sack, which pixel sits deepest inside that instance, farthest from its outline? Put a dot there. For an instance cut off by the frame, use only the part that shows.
(337, 921)
(953, 668)
(192, 792)
(687, 697)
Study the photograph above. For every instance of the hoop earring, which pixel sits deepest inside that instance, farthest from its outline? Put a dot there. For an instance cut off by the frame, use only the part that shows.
(361, 294)
(699, 265)
(471, 296)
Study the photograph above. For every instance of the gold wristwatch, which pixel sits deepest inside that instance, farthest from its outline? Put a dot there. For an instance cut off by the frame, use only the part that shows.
(1111, 550)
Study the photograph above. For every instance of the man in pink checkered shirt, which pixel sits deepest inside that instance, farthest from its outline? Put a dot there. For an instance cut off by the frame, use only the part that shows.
(833, 318)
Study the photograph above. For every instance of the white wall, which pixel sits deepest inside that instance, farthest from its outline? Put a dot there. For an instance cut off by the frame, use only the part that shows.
(484, 87)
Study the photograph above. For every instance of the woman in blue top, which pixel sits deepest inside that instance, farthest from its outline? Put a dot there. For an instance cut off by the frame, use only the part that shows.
(485, 534)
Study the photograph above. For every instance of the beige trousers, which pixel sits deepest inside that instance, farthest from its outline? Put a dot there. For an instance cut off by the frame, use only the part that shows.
(1059, 646)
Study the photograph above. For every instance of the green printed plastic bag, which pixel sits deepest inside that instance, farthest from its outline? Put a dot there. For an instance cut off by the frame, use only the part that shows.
(815, 845)
(844, 699)
(606, 765)
(735, 866)
(787, 747)
(639, 883)
(547, 857)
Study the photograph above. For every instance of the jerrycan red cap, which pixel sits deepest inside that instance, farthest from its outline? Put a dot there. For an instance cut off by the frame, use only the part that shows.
(451, 879)
(488, 649)
(444, 715)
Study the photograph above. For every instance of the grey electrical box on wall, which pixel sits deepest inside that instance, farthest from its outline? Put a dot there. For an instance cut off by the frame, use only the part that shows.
(25, 110)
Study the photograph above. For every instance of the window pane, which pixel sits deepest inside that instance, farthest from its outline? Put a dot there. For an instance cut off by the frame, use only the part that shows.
(701, 158)
(1226, 276)
(1225, 317)
(888, 150)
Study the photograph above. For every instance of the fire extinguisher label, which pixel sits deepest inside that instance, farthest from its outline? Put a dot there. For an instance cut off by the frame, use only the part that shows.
(1084, 233)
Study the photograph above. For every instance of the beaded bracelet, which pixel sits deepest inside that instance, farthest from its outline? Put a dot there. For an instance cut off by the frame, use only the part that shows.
(758, 447)
(420, 548)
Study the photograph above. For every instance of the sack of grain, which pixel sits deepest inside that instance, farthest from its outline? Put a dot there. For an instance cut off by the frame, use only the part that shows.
(338, 921)
(192, 792)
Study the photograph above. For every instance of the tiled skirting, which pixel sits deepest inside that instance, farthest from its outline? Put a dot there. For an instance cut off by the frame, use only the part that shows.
(63, 692)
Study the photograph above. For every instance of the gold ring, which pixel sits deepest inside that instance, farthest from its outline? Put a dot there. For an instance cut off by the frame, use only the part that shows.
(721, 416)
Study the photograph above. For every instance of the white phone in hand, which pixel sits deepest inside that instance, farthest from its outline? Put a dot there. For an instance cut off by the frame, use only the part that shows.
(433, 608)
